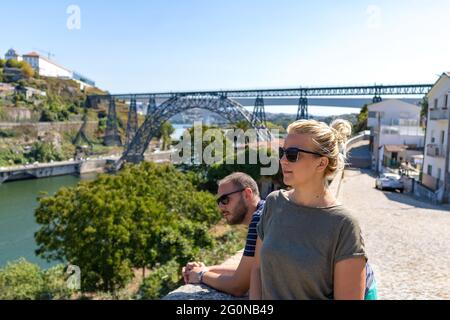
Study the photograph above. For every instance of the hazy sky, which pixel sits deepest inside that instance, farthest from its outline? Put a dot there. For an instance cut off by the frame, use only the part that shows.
(148, 46)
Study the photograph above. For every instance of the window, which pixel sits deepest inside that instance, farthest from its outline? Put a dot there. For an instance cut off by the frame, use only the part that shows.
(439, 174)
(446, 102)
(372, 114)
(442, 136)
(435, 103)
(429, 170)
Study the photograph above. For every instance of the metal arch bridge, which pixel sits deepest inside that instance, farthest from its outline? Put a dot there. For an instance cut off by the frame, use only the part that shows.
(224, 103)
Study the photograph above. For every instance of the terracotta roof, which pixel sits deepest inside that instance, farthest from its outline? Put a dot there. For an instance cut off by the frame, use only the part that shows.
(395, 147)
(32, 54)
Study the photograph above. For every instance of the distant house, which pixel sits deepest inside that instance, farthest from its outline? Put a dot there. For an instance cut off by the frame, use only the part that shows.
(395, 125)
(12, 55)
(43, 66)
(436, 170)
(30, 92)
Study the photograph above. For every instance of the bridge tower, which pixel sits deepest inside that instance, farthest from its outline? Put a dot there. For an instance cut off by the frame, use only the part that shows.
(112, 137)
(377, 99)
(259, 112)
(132, 125)
(81, 134)
(151, 107)
(302, 110)
(82, 143)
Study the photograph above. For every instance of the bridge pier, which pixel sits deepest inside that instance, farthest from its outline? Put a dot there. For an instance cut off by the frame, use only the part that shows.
(112, 137)
(151, 107)
(259, 112)
(377, 99)
(302, 110)
(132, 125)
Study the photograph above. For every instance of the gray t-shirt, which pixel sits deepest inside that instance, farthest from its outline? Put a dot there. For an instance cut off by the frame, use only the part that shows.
(300, 247)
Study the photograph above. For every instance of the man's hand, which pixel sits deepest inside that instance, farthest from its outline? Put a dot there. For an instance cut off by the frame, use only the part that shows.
(189, 266)
(194, 274)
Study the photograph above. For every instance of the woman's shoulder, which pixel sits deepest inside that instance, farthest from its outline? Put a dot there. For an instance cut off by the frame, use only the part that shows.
(343, 214)
(276, 196)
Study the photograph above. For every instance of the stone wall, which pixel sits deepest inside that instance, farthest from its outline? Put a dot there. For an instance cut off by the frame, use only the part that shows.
(42, 127)
(92, 165)
(203, 292)
(17, 114)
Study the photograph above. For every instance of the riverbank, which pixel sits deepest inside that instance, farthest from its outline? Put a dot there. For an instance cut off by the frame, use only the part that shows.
(18, 201)
(53, 169)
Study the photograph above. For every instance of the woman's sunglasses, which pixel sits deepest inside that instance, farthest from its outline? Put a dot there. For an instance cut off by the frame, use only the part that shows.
(292, 153)
(225, 199)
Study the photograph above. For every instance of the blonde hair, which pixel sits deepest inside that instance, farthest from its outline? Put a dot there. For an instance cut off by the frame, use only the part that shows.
(329, 139)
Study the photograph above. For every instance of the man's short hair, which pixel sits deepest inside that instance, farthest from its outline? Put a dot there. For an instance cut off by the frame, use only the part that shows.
(241, 180)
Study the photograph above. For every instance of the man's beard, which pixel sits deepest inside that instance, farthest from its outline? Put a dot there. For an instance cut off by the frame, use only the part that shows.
(239, 213)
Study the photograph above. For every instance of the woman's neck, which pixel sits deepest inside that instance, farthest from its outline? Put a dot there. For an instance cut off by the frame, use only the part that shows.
(312, 195)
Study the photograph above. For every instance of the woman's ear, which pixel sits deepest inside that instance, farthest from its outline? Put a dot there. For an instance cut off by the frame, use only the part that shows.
(323, 164)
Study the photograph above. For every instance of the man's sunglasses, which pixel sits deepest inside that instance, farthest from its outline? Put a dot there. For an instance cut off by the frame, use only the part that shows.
(224, 199)
(292, 153)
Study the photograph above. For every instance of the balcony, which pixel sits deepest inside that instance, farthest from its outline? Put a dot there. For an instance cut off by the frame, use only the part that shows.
(436, 150)
(439, 114)
(431, 182)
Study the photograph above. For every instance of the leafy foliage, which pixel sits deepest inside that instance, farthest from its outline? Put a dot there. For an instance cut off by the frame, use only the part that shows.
(145, 215)
(361, 124)
(43, 152)
(167, 277)
(164, 133)
(161, 281)
(22, 280)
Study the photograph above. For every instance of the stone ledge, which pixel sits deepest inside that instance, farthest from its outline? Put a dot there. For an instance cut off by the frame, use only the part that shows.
(199, 292)
(203, 292)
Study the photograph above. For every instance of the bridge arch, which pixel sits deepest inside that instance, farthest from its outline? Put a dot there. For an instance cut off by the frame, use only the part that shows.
(224, 106)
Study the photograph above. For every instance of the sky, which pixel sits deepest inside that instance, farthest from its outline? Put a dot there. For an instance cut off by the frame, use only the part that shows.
(174, 45)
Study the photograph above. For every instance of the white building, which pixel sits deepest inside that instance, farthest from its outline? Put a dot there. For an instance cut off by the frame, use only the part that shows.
(437, 155)
(45, 67)
(48, 68)
(394, 123)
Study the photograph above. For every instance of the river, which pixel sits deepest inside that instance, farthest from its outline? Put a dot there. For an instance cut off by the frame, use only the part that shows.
(18, 200)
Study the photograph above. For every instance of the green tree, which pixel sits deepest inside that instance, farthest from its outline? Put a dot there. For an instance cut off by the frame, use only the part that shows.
(164, 133)
(146, 215)
(424, 110)
(22, 280)
(243, 125)
(43, 152)
(27, 70)
(220, 170)
(361, 123)
(161, 281)
(11, 63)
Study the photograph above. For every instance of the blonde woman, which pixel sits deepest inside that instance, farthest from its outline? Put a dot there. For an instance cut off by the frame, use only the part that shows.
(309, 246)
